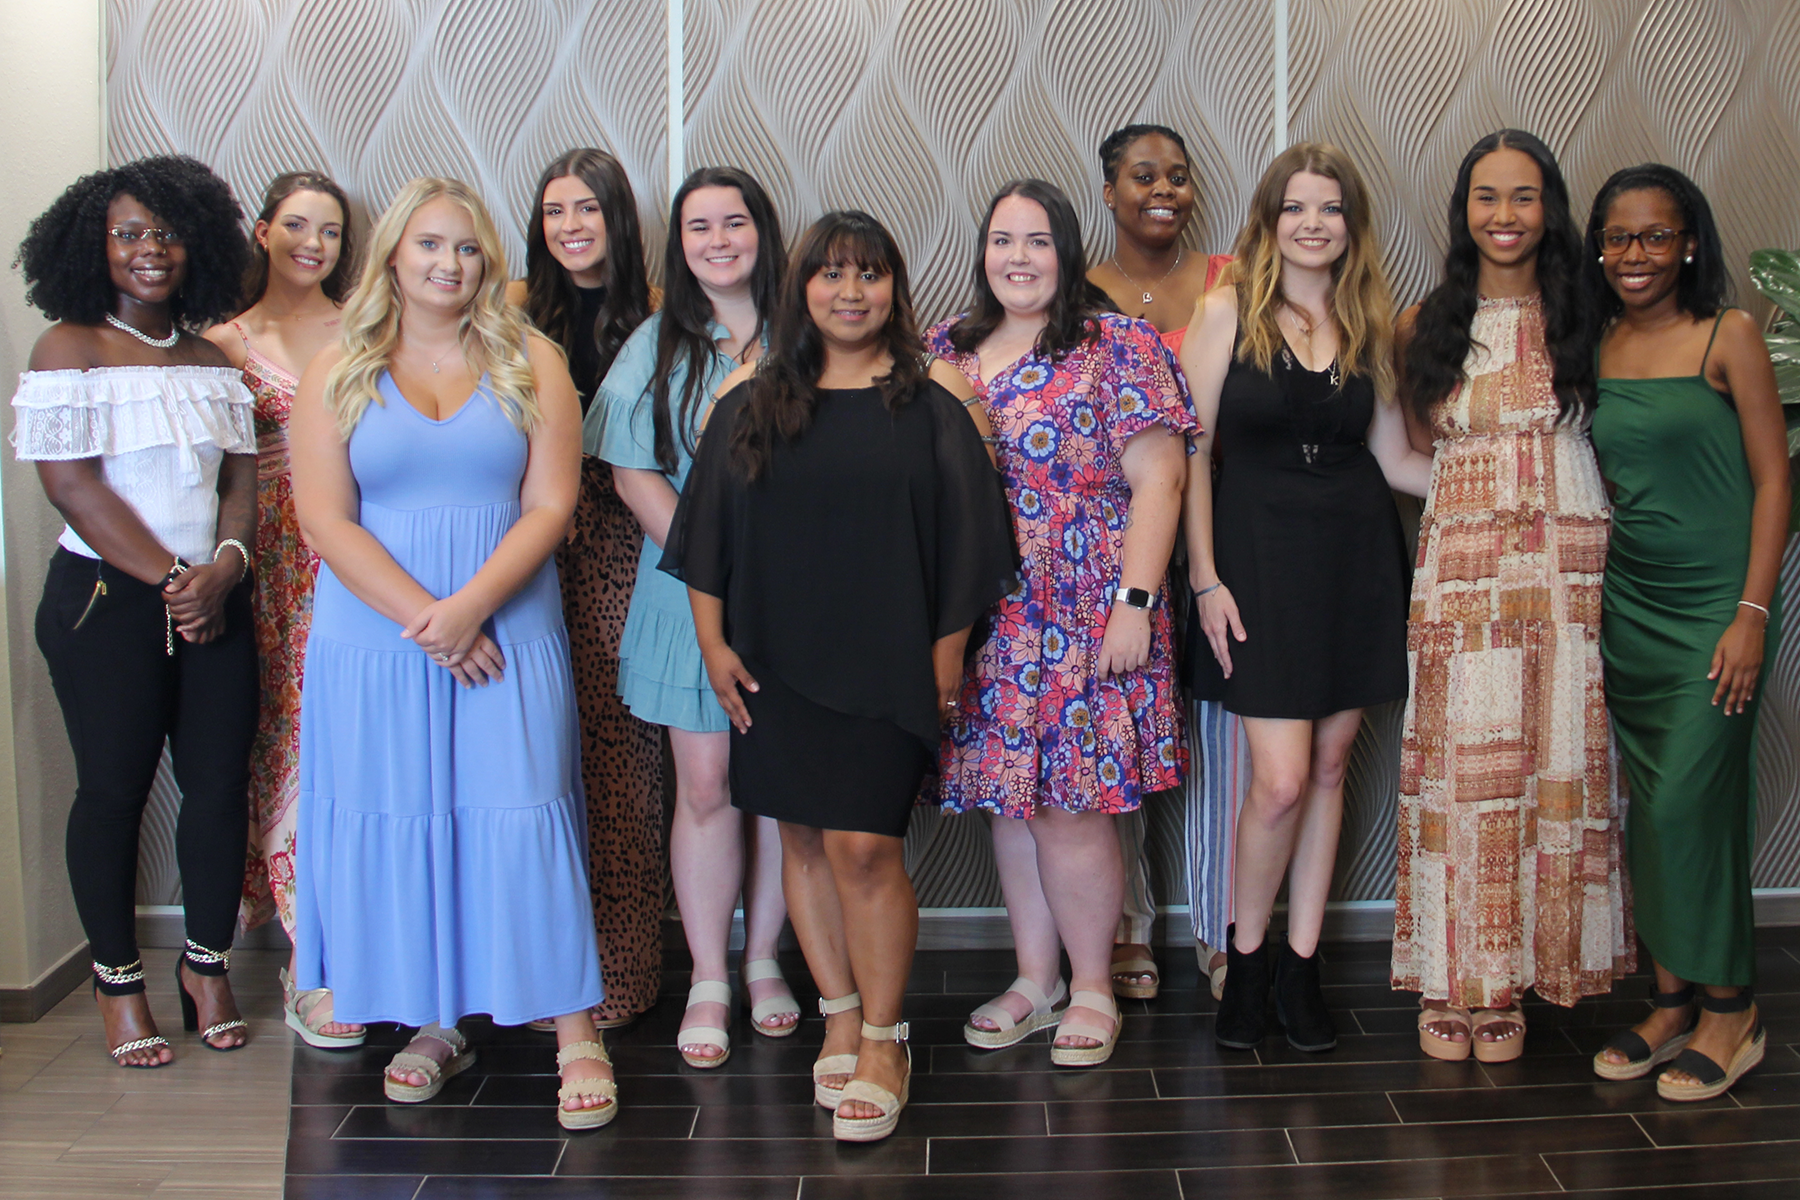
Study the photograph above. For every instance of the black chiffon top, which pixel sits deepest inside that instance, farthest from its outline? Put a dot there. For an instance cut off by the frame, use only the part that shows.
(865, 539)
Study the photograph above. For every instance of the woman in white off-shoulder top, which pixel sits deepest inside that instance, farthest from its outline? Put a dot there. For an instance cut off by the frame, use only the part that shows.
(142, 435)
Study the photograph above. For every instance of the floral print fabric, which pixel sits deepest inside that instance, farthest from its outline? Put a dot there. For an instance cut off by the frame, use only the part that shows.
(1034, 724)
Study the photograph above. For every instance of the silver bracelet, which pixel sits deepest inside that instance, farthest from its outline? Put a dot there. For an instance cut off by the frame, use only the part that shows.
(243, 554)
(1752, 604)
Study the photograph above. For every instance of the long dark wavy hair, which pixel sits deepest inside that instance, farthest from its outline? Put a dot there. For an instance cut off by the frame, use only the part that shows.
(342, 279)
(1702, 287)
(687, 314)
(784, 391)
(1070, 319)
(550, 299)
(1442, 336)
(63, 256)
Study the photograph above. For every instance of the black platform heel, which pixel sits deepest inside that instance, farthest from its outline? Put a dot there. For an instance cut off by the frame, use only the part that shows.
(1716, 1080)
(1640, 1059)
(202, 961)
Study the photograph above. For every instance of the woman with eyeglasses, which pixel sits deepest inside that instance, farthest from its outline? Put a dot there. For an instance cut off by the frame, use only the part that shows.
(1689, 433)
(143, 439)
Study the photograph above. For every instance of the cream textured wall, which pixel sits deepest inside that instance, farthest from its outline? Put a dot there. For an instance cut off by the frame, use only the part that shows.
(917, 109)
(53, 132)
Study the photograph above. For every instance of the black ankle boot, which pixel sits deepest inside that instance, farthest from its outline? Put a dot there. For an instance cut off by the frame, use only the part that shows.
(1300, 1005)
(1243, 1018)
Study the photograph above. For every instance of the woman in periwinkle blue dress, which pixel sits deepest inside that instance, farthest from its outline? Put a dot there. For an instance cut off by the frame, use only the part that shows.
(442, 838)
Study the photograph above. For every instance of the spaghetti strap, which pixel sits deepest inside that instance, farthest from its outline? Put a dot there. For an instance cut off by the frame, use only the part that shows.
(1701, 373)
(248, 349)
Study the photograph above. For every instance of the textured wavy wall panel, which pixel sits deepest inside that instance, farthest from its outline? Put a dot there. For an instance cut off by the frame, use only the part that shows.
(918, 109)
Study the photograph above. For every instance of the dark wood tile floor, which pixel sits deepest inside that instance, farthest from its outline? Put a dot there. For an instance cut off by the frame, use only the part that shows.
(1171, 1116)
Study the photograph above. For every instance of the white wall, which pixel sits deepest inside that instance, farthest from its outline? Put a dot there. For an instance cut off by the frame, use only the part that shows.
(53, 132)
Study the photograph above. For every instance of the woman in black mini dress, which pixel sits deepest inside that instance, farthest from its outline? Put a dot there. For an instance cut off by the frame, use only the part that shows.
(840, 532)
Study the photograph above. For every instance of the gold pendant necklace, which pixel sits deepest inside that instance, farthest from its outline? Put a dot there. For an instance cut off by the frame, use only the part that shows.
(1148, 298)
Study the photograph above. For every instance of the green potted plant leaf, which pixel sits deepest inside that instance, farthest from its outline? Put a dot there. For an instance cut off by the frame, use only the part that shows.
(1776, 274)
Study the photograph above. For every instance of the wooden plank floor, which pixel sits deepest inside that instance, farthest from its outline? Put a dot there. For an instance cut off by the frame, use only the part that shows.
(1171, 1116)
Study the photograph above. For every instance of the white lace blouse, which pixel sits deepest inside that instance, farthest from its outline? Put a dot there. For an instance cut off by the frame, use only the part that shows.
(160, 434)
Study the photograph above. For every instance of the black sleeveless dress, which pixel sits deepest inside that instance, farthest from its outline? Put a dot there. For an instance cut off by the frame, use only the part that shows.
(1307, 537)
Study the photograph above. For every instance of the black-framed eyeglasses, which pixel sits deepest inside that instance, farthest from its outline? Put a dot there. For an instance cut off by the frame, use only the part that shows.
(131, 237)
(1656, 242)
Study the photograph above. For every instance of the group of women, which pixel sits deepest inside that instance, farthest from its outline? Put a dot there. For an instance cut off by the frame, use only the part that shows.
(472, 540)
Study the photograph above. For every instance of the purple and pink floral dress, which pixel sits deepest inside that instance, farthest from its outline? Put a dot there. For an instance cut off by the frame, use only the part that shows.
(1034, 724)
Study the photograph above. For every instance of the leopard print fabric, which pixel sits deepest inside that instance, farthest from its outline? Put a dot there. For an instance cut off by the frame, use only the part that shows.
(621, 756)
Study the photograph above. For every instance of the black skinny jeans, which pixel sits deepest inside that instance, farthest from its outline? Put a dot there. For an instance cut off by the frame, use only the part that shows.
(121, 694)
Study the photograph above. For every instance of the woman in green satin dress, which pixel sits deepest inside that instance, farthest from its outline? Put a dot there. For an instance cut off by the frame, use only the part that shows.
(1689, 433)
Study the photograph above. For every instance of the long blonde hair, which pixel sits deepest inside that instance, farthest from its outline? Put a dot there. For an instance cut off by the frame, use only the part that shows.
(1361, 304)
(492, 331)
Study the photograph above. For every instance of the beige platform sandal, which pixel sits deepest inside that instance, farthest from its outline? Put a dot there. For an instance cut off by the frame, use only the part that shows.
(1502, 1048)
(775, 1006)
(707, 991)
(436, 1073)
(1010, 1031)
(824, 1095)
(1087, 1056)
(1215, 976)
(873, 1129)
(597, 1115)
(1126, 972)
(306, 1013)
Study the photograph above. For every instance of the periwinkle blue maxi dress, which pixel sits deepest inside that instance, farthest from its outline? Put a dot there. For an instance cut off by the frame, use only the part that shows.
(442, 841)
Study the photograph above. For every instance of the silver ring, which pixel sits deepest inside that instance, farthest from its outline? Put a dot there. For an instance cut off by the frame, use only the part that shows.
(443, 658)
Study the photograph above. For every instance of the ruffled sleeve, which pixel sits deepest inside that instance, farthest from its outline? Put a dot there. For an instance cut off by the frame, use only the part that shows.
(109, 411)
(702, 535)
(975, 556)
(1140, 383)
(619, 427)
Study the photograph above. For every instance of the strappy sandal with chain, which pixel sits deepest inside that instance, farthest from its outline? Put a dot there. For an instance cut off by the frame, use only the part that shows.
(436, 1073)
(873, 1129)
(1087, 1056)
(107, 978)
(202, 961)
(780, 1005)
(1640, 1058)
(824, 1095)
(594, 1116)
(300, 1010)
(1501, 1049)
(1715, 1080)
(1008, 1031)
(707, 991)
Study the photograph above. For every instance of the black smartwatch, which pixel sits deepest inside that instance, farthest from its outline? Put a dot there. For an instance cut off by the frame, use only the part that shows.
(1134, 597)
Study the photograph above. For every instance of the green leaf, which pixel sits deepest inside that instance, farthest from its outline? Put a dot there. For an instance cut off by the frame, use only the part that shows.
(1784, 353)
(1776, 274)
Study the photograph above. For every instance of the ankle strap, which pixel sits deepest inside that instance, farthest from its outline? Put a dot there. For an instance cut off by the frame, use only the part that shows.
(897, 1032)
(841, 1004)
(204, 961)
(1679, 998)
(1728, 1004)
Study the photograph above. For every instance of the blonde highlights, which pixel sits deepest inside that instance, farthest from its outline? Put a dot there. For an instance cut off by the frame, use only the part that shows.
(1361, 305)
(492, 331)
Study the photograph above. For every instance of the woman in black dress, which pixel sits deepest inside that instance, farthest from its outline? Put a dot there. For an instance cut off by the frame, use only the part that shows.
(1300, 577)
(840, 532)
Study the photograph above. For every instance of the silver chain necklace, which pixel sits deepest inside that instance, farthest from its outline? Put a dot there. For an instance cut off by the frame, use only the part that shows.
(1148, 298)
(162, 343)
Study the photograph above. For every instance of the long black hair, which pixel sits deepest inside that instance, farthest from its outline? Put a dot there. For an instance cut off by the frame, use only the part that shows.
(344, 272)
(687, 314)
(1442, 336)
(1070, 319)
(550, 299)
(63, 256)
(784, 390)
(1702, 286)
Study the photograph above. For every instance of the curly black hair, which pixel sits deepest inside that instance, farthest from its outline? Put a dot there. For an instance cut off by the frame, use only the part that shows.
(63, 256)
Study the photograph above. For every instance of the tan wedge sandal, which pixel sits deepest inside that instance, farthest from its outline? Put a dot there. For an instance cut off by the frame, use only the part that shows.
(824, 1095)
(1087, 1056)
(436, 1073)
(1010, 1032)
(707, 991)
(594, 1116)
(873, 1129)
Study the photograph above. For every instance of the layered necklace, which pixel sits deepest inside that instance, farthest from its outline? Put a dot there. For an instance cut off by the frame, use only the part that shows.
(161, 343)
(1148, 298)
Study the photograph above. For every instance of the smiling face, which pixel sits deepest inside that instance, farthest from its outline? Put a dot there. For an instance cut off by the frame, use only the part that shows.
(849, 304)
(438, 263)
(1310, 229)
(1640, 273)
(146, 271)
(1152, 197)
(1021, 257)
(304, 239)
(574, 229)
(1506, 207)
(718, 238)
